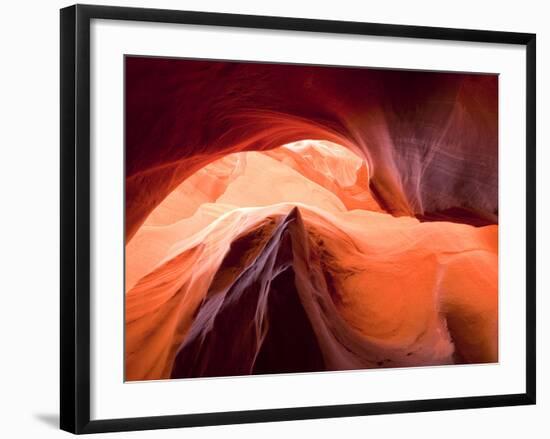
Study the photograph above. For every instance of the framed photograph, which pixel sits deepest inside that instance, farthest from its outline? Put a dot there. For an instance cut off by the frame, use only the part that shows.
(275, 218)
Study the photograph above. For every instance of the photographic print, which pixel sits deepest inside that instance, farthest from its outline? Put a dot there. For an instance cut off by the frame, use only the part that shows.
(289, 218)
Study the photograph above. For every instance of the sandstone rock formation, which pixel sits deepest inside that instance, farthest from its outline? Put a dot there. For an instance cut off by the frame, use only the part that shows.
(251, 249)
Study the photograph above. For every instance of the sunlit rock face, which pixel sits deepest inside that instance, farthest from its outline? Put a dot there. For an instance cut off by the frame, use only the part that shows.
(322, 174)
(251, 249)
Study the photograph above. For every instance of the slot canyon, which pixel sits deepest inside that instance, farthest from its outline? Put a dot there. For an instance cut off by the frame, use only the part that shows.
(289, 218)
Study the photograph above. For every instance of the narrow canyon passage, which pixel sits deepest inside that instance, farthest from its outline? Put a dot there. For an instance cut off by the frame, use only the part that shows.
(285, 218)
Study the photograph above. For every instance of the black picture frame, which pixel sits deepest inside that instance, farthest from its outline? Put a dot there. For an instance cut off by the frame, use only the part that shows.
(75, 217)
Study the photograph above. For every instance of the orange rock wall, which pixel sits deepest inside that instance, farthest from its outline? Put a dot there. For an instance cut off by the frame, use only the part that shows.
(252, 248)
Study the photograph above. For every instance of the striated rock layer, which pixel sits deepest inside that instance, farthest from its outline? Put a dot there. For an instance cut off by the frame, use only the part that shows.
(251, 249)
(430, 138)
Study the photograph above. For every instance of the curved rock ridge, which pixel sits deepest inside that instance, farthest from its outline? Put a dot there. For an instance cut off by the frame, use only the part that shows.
(297, 289)
(316, 173)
